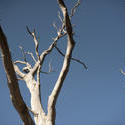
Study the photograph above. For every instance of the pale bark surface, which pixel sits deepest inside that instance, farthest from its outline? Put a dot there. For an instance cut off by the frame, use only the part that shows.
(28, 72)
(15, 95)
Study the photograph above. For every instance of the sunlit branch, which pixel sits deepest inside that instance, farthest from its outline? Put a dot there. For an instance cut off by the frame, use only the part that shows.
(31, 54)
(16, 97)
(33, 34)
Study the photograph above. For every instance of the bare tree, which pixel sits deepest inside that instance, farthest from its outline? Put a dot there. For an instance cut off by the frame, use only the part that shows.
(28, 72)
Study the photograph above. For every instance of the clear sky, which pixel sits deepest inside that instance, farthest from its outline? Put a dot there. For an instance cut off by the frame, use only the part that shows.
(93, 97)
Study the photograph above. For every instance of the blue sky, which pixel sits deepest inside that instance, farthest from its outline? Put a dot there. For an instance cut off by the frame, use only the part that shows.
(93, 97)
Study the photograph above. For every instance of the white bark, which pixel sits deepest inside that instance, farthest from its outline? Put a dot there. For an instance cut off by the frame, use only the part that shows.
(36, 105)
(40, 118)
(15, 94)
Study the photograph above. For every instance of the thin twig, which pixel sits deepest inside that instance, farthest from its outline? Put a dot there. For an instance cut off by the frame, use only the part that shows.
(47, 51)
(29, 31)
(55, 26)
(73, 10)
(33, 34)
(50, 69)
(31, 54)
(23, 53)
(21, 62)
(60, 33)
(59, 16)
(84, 65)
(122, 72)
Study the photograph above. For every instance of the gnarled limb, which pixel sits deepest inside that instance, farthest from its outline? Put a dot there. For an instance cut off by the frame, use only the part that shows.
(15, 94)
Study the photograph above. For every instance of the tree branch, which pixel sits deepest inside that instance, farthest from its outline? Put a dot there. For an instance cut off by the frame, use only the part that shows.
(33, 34)
(122, 72)
(65, 68)
(21, 62)
(23, 53)
(74, 8)
(31, 54)
(84, 65)
(15, 94)
(46, 52)
(17, 70)
(40, 117)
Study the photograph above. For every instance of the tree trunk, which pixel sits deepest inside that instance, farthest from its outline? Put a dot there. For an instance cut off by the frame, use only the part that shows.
(28, 73)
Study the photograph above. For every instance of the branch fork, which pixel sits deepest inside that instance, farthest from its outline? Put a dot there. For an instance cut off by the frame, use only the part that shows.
(28, 72)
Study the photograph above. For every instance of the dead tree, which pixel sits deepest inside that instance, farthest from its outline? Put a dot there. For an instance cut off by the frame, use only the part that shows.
(28, 72)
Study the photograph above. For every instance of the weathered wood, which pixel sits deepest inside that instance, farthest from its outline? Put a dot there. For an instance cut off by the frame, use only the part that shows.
(28, 73)
(15, 94)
